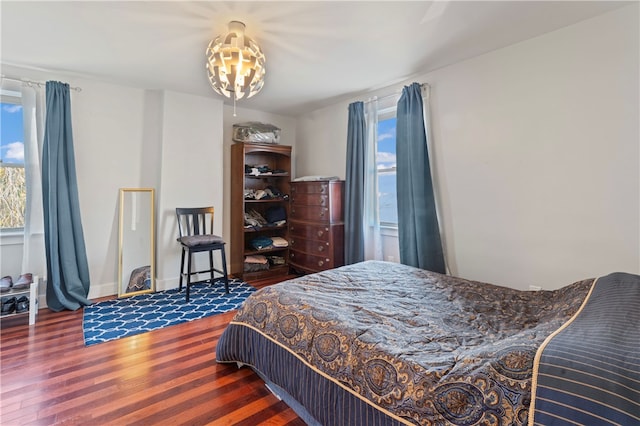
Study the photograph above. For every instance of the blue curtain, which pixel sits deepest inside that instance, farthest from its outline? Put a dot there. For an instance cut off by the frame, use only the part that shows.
(67, 266)
(354, 185)
(418, 231)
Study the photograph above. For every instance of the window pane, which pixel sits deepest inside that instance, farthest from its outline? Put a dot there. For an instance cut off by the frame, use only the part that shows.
(386, 165)
(13, 188)
(387, 197)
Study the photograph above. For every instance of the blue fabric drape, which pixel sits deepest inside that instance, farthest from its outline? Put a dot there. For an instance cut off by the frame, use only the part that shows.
(67, 266)
(418, 230)
(354, 185)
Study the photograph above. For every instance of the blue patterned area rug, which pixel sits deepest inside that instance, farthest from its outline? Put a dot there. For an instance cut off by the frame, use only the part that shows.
(113, 319)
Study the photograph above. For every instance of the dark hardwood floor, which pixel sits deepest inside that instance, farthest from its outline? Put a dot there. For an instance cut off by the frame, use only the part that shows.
(167, 376)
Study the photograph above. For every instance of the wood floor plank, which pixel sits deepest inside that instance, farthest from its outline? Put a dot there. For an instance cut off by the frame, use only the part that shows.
(167, 376)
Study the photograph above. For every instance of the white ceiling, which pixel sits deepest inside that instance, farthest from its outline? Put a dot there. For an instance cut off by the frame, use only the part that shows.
(317, 52)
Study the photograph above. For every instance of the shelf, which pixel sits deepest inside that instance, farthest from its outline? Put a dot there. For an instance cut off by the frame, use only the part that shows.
(272, 271)
(15, 314)
(13, 291)
(250, 252)
(264, 228)
(269, 200)
(266, 175)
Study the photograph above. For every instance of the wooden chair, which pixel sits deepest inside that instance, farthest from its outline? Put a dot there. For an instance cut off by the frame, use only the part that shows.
(195, 226)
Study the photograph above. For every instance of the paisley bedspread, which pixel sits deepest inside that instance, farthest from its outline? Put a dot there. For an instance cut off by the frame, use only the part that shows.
(383, 343)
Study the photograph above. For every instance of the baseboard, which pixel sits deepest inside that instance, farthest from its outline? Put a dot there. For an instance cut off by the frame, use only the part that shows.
(162, 285)
(97, 291)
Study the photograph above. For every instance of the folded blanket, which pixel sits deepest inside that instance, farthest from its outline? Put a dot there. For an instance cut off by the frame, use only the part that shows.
(279, 242)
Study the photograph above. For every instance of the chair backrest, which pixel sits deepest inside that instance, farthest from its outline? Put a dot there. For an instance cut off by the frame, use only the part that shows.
(195, 221)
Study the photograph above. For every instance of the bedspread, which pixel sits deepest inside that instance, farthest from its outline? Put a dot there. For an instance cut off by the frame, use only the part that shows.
(588, 372)
(418, 347)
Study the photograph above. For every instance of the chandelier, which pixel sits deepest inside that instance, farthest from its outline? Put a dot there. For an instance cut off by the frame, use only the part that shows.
(235, 64)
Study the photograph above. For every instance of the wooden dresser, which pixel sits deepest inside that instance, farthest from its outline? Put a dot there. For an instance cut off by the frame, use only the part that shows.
(316, 225)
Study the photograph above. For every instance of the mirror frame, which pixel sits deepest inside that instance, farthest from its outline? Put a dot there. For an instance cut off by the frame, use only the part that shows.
(121, 282)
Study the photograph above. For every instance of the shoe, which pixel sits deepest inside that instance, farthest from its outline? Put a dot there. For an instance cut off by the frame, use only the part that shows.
(6, 283)
(22, 304)
(24, 281)
(8, 305)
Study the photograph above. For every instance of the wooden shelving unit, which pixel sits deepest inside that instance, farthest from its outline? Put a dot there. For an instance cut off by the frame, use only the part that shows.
(275, 158)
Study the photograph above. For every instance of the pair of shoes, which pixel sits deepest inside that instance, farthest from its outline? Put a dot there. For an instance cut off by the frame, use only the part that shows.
(11, 304)
(6, 283)
(22, 304)
(8, 305)
(24, 281)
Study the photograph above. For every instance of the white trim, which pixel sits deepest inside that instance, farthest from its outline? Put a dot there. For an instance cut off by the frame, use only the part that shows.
(11, 237)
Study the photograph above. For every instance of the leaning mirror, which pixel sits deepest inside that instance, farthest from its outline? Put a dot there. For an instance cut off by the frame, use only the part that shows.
(136, 266)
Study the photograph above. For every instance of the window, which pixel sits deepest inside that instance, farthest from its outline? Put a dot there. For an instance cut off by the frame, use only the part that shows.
(386, 167)
(13, 187)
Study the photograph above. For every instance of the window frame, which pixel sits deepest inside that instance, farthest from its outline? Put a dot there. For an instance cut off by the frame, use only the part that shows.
(15, 98)
(385, 114)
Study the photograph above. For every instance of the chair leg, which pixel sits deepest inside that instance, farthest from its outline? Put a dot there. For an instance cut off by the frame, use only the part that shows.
(181, 269)
(188, 275)
(211, 267)
(224, 271)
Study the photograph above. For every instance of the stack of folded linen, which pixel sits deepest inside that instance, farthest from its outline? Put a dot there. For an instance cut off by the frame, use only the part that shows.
(279, 242)
(261, 243)
(255, 263)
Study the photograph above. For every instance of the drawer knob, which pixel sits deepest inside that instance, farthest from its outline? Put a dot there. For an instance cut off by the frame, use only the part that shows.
(320, 248)
(320, 263)
(292, 242)
(322, 212)
(292, 255)
(320, 233)
(323, 189)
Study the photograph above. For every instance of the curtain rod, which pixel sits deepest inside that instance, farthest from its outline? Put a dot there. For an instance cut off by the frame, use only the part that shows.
(35, 83)
(375, 98)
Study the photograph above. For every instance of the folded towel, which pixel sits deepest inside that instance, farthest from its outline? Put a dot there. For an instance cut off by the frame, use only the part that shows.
(260, 259)
(279, 242)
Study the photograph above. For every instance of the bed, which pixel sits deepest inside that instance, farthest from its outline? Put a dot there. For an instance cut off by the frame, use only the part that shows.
(378, 343)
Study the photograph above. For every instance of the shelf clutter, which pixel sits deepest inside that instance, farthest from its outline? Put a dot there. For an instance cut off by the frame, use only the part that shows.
(260, 175)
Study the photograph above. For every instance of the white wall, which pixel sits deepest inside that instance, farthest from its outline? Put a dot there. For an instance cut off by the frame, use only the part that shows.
(127, 137)
(107, 125)
(535, 155)
(324, 132)
(130, 137)
(191, 172)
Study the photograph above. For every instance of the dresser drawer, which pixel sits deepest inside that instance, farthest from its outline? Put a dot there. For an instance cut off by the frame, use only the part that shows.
(310, 262)
(320, 248)
(303, 198)
(309, 187)
(310, 231)
(310, 213)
